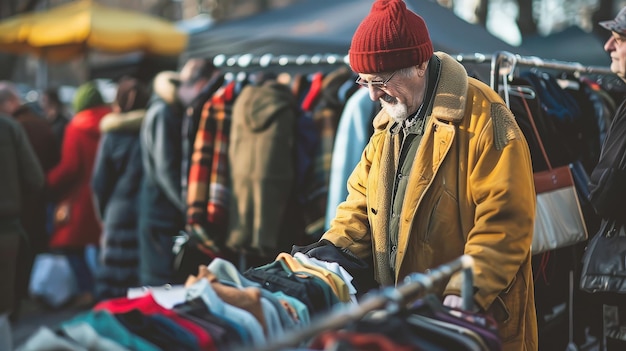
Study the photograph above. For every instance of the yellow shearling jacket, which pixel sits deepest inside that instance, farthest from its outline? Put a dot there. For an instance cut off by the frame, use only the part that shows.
(470, 192)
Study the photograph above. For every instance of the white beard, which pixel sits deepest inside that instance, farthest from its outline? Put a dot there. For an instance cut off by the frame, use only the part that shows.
(398, 112)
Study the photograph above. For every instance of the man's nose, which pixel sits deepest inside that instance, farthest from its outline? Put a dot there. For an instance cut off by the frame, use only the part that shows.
(610, 44)
(375, 93)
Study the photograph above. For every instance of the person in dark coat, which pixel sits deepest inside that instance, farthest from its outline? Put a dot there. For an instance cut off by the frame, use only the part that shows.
(76, 226)
(161, 206)
(54, 113)
(116, 181)
(605, 312)
(20, 170)
(33, 216)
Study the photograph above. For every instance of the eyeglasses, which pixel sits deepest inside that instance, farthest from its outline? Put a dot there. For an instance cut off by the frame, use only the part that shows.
(618, 39)
(375, 84)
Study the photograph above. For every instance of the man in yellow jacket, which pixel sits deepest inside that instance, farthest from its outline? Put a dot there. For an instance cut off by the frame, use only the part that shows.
(447, 172)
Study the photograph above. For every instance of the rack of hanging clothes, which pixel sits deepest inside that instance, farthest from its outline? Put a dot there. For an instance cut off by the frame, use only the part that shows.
(328, 331)
(504, 64)
(578, 96)
(269, 125)
(333, 122)
(572, 105)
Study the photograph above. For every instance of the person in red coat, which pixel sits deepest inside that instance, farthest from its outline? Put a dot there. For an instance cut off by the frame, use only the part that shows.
(75, 223)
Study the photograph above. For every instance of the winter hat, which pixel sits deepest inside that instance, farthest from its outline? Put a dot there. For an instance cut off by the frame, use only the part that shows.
(618, 24)
(391, 37)
(87, 96)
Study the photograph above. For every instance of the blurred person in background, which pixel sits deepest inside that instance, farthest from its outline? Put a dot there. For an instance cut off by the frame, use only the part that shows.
(42, 141)
(54, 111)
(20, 172)
(607, 192)
(199, 79)
(161, 205)
(116, 180)
(76, 226)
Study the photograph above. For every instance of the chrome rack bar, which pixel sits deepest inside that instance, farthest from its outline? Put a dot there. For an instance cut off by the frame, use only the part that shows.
(504, 63)
(267, 60)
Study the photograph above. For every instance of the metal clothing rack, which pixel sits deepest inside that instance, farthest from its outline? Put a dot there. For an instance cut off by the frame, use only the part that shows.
(504, 63)
(269, 60)
(390, 298)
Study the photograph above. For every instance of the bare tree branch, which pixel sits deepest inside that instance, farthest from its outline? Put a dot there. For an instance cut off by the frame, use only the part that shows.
(481, 12)
(525, 21)
(605, 11)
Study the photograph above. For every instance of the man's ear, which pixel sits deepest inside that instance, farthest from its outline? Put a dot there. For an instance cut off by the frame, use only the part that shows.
(421, 68)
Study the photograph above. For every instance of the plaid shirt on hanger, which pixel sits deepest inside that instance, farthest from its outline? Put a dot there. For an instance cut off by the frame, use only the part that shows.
(208, 192)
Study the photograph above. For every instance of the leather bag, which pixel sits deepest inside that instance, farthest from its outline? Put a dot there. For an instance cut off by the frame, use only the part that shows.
(604, 260)
(559, 220)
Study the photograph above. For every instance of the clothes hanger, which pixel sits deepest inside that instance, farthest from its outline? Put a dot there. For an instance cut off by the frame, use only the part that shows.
(523, 91)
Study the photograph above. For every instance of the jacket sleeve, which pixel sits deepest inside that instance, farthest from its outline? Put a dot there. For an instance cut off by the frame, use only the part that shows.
(102, 182)
(67, 171)
(164, 146)
(30, 169)
(607, 183)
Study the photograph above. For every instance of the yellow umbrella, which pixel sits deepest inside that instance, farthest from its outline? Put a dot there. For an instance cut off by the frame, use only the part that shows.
(66, 31)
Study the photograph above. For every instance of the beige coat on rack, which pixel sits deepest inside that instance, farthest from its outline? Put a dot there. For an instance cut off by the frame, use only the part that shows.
(261, 158)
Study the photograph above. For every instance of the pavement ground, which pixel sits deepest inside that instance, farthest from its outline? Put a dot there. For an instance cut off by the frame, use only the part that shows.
(33, 314)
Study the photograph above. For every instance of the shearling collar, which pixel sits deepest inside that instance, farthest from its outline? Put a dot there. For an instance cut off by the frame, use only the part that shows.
(164, 86)
(118, 122)
(449, 95)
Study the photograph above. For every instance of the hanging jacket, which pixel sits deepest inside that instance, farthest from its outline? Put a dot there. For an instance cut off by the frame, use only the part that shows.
(353, 133)
(470, 191)
(208, 191)
(261, 158)
(76, 224)
(326, 113)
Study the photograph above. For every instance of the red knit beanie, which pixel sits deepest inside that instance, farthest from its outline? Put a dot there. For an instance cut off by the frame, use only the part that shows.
(389, 38)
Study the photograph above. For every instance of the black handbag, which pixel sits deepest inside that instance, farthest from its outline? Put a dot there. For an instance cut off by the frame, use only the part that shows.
(189, 253)
(604, 260)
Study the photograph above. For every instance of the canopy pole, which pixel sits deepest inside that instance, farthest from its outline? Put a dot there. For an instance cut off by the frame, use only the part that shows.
(41, 76)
